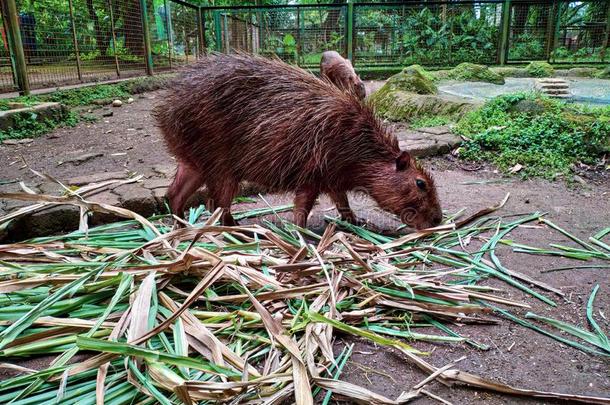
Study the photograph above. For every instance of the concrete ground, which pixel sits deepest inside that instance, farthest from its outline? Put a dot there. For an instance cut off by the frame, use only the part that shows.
(127, 143)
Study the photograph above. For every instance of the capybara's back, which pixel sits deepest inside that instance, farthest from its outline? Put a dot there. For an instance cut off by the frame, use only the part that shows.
(230, 118)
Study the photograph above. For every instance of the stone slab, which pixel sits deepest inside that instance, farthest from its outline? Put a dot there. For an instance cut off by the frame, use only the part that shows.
(423, 144)
(96, 178)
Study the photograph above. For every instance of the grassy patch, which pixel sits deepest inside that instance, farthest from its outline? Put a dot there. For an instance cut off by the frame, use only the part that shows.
(431, 121)
(544, 135)
(27, 125)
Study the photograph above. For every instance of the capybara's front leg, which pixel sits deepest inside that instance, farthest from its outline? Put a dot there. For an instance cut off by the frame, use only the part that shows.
(341, 202)
(185, 183)
(221, 195)
(304, 200)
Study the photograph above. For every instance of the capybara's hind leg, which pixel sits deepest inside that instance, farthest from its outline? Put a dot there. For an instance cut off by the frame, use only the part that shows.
(341, 202)
(221, 195)
(304, 200)
(186, 182)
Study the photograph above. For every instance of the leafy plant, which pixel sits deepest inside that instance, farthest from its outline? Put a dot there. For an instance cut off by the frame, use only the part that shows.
(545, 136)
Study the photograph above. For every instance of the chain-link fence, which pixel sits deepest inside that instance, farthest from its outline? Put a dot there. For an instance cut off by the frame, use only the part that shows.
(72, 41)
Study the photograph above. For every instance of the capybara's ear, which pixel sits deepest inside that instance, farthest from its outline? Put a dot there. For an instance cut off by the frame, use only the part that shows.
(403, 160)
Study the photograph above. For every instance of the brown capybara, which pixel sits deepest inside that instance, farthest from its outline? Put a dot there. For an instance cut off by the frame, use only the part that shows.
(341, 73)
(233, 118)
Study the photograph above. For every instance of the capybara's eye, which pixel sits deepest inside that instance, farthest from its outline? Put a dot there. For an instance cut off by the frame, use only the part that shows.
(420, 184)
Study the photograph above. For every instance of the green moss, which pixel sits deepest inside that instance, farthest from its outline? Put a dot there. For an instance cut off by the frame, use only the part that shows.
(406, 106)
(543, 135)
(540, 69)
(475, 73)
(27, 124)
(604, 74)
(412, 79)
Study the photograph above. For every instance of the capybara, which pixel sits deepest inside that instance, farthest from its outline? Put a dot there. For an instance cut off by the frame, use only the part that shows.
(341, 73)
(233, 118)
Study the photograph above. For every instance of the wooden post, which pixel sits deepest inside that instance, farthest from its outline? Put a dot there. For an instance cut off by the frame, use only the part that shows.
(201, 25)
(606, 43)
(75, 41)
(146, 35)
(217, 31)
(116, 57)
(504, 35)
(16, 47)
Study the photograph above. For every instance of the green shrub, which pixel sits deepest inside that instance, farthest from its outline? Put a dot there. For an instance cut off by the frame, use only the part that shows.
(604, 74)
(540, 69)
(475, 73)
(544, 135)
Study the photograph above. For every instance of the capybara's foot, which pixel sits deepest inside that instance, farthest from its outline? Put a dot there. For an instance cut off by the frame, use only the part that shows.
(228, 220)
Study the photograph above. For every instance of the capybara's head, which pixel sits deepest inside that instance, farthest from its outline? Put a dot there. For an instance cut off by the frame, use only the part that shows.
(407, 190)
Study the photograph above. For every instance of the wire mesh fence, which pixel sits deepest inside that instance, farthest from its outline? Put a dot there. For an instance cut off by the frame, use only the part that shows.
(429, 34)
(6, 73)
(66, 42)
(72, 41)
(296, 34)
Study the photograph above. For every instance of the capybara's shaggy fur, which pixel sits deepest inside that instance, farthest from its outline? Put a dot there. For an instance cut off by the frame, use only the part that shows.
(231, 118)
(341, 73)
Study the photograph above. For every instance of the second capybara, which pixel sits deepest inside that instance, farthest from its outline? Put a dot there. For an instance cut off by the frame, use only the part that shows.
(341, 73)
(233, 118)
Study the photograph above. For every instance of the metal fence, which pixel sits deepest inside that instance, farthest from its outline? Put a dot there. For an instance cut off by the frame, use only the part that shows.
(72, 41)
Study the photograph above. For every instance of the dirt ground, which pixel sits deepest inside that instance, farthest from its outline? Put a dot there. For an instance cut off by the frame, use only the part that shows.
(129, 142)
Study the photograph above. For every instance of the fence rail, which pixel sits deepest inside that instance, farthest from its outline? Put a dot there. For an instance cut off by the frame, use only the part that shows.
(47, 43)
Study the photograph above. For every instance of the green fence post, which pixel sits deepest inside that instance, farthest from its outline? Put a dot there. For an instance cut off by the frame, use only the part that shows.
(75, 41)
(16, 47)
(146, 35)
(606, 43)
(349, 43)
(217, 32)
(201, 25)
(505, 32)
(169, 31)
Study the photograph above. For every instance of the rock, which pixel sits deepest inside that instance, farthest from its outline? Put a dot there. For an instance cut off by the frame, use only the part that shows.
(167, 170)
(529, 106)
(96, 178)
(117, 103)
(540, 69)
(404, 106)
(81, 159)
(108, 114)
(580, 180)
(422, 144)
(17, 141)
(582, 72)
(412, 79)
(130, 100)
(604, 73)
(153, 184)
(475, 73)
(136, 198)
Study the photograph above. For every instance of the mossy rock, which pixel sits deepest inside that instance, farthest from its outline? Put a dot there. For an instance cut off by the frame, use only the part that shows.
(509, 71)
(404, 106)
(412, 79)
(428, 75)
(540, 69)
(604, 74)
(475, 73)
(530, 107)
(582, 72)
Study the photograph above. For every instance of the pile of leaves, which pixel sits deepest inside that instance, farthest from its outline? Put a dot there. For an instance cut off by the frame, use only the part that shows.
(164, 314)
(545, 136)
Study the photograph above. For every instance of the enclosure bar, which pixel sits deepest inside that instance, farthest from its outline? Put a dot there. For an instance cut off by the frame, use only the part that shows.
(556, 30)
(550, 31)
(14, 39)
(201, 28)
(349, 43)
(168, 24)
(146, 36)
(112, 29)
(217, 32)
(75, 41)
(505, 32)
(298, 32)
(606, 43)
